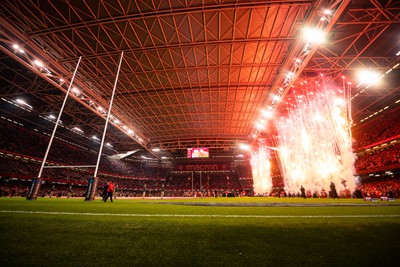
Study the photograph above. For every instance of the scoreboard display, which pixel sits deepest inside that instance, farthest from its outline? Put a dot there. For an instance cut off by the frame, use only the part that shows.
(197, 152)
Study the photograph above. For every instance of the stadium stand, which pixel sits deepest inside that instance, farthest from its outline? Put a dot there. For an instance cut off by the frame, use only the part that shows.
(21, 150)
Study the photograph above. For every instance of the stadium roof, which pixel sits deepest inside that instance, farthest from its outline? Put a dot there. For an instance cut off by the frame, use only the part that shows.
(194, 73)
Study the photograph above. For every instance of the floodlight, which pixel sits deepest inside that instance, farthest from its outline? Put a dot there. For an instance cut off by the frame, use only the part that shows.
(76, 91)
(20, 101)
(23, 103)
(78, 129)
(327, 12)
(289, 75)
(260, 126)
(267, 113)
(313, 35)
(38, 63)
(368, 77)
(276, 98)
(244, 146)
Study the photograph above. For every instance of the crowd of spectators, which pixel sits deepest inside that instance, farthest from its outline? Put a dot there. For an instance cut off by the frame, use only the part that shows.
(378, 158)
(384, 127)
(21, 158)
(382, 188)
(22, 150)
(17, 172)
(18, 140)
(377, 146)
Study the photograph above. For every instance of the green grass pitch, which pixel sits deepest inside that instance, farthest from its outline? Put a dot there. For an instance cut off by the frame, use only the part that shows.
(199, 232)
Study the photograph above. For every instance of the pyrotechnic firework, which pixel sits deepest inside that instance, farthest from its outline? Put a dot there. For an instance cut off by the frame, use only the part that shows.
(260, 167)
(314, 143)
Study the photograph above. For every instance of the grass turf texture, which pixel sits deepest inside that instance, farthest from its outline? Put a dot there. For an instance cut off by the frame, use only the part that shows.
(72, 236)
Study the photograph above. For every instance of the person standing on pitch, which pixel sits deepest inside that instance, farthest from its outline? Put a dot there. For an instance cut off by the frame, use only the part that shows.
(69, 192)
(333, 191)
(115, 191)
(162, 191)
(104, 193)
(303, 192)
(144, 191)
(110, 191)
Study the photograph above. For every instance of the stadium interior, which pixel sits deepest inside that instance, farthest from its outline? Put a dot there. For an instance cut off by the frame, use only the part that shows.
(215, 77)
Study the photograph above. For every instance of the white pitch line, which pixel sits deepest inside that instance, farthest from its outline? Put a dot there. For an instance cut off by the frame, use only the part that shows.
(199, 215)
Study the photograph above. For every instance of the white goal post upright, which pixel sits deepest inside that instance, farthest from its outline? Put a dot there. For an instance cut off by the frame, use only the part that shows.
(93, 181)
(37, 181)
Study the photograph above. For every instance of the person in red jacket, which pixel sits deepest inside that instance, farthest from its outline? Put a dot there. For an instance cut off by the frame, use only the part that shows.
(110, 191)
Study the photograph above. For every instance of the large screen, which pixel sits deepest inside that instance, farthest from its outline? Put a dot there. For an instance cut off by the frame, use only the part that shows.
(197, 152)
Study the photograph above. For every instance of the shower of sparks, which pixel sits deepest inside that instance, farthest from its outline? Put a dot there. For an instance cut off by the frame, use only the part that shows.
(314, 143)
(260, 168)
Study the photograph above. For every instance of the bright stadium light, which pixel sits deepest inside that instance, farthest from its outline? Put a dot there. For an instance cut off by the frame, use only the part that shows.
(38, 63)
(17, 48)
(289, 75)
(267, 113)
(368, 77)
(276, 98)
(76, 91)
(327, 12)
(78, 129)
(244, 147)
(260, 125)
(313, 35)
(23, 103)
(20, 101)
